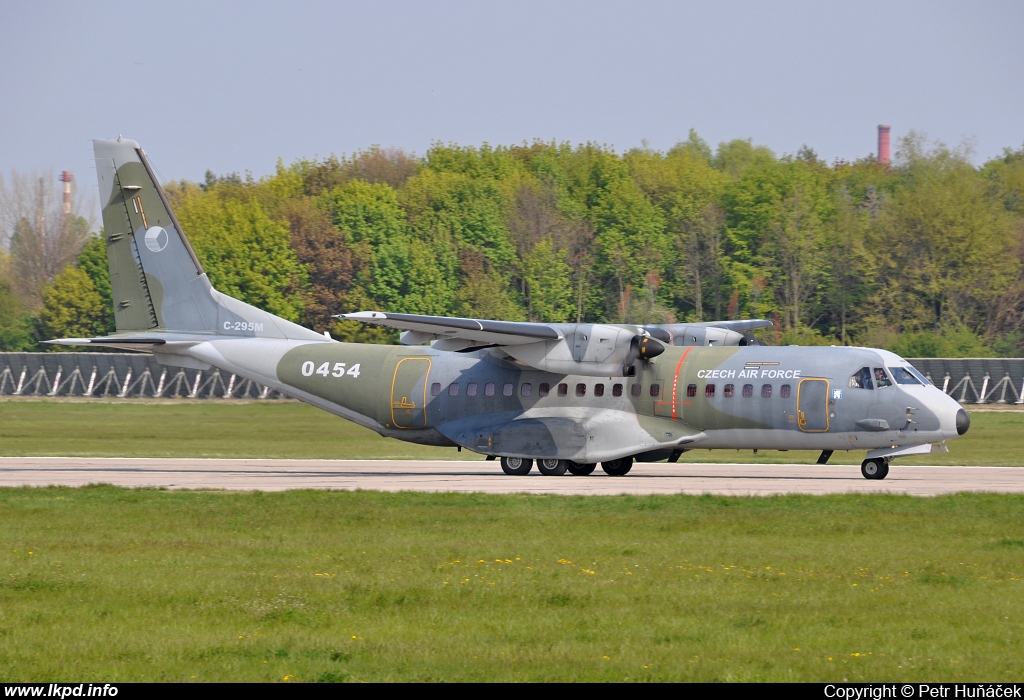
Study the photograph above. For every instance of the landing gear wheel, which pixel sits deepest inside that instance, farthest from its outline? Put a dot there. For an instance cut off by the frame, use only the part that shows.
(577, 469)
(874, 468)
(551, 467)
(617, 467)
(516, 466)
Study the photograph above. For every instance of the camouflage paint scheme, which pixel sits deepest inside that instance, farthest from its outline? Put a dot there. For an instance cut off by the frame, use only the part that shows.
(676, 400)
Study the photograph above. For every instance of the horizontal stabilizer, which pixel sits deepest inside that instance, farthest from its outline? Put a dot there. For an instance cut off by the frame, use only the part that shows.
(126, 343)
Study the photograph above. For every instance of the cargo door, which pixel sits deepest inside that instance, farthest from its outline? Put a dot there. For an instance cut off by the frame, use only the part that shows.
(812, 405)
(409, 393)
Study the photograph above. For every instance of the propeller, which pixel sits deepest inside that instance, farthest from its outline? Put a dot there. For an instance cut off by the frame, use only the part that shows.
(640, 348)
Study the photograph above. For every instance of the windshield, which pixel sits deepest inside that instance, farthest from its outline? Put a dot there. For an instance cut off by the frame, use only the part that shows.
(923, 379)
(903, 376)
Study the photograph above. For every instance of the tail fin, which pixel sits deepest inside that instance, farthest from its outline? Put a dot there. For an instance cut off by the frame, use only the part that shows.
(158, 283)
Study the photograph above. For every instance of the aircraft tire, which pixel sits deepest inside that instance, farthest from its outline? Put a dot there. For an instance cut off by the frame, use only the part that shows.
(551, 467)
(516, 466)
(874, 469)
(617, 467)
(577, 469)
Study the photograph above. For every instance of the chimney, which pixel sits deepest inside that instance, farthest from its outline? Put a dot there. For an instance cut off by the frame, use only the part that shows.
(65, 177)
(883, 144)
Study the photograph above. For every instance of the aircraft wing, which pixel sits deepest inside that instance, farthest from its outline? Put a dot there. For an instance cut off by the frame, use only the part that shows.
(476, 331)
(738, 326)
(591, 349)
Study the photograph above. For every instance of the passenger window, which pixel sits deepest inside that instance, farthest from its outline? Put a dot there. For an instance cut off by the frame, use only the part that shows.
(766, 391)
(655, 389)
(709, 391)
(471, 389)
(728, 390)
(881, 378)
(526, 389)
(489, 389)
(902, 376)
(748, 391)
(581, 389)
(599, 390)
(435, 389)
(544, 389)
(861, 379)
(784, 391)
(691, 390)
(617, 390)
(635, 389)
(563, 389)
(507, 390)
(453, 389)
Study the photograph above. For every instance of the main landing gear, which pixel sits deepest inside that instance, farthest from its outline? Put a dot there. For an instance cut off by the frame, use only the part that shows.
(520, 466)
(577, 469)
(516, 466)
(877, 468)
(618, 467)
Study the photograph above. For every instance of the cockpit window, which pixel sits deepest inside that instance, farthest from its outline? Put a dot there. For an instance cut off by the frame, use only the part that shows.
(881, 378)
(902, 376)
(861, 379)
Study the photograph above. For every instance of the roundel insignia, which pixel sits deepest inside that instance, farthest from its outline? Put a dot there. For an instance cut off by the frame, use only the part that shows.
(156, 238)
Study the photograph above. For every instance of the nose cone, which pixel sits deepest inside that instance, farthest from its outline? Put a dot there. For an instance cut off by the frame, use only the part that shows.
(963, 422)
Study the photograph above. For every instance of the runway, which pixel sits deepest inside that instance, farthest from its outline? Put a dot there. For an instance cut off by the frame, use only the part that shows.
(487, 477)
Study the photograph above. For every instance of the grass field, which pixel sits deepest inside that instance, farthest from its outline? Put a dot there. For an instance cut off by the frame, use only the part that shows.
(116, 585)
(293, 430)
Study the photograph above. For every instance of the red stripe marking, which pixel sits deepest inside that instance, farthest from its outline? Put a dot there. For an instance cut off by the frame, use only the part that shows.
(675, 382)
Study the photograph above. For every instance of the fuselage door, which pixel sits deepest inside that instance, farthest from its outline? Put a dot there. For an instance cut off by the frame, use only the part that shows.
(812, 405)
(409, 392)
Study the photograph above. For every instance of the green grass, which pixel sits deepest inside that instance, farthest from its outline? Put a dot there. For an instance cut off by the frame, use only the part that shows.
(111, 584)
(297, 431)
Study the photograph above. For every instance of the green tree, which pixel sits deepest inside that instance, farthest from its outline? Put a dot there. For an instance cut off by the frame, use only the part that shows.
(15, 322)
(245, 252)
(946, 243)
(72, 307)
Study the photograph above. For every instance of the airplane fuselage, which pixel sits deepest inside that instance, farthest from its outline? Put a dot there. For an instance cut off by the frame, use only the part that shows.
(759, 397)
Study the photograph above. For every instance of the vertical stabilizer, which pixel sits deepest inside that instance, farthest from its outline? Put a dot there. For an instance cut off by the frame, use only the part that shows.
(158, 283)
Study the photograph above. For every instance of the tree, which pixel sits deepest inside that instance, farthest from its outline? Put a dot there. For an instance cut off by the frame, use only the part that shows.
(72, 307)
(15, 322)
(245, 252)
(946, 242)
(43, 237)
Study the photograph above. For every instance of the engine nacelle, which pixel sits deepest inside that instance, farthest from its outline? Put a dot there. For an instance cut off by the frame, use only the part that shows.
(593, 350)
(694, 334)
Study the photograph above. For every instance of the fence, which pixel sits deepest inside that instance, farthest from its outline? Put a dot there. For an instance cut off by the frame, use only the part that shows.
(968, 380)
(976, 379)
(118, 375)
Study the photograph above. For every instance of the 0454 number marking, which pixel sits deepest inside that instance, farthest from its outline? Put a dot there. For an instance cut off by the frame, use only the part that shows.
(309, 368)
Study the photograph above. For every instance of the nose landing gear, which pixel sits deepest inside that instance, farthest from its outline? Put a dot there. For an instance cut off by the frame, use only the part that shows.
(877, 468)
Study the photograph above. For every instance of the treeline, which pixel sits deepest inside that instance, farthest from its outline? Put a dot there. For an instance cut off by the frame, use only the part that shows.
(923, 257)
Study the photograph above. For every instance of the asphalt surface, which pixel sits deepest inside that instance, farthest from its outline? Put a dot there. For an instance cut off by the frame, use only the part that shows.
(487, 477)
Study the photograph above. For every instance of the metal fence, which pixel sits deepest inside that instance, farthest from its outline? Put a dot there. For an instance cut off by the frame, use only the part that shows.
(118, 375)
(976, 379)
(968, 380)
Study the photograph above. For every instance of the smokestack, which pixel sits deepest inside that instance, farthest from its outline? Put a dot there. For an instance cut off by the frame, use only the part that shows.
(65, 177)
(883, 144)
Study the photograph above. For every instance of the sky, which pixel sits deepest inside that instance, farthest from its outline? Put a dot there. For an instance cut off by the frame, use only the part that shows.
(234, 86)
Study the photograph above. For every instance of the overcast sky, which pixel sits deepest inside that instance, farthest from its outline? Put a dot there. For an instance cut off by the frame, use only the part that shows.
(233, 86)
